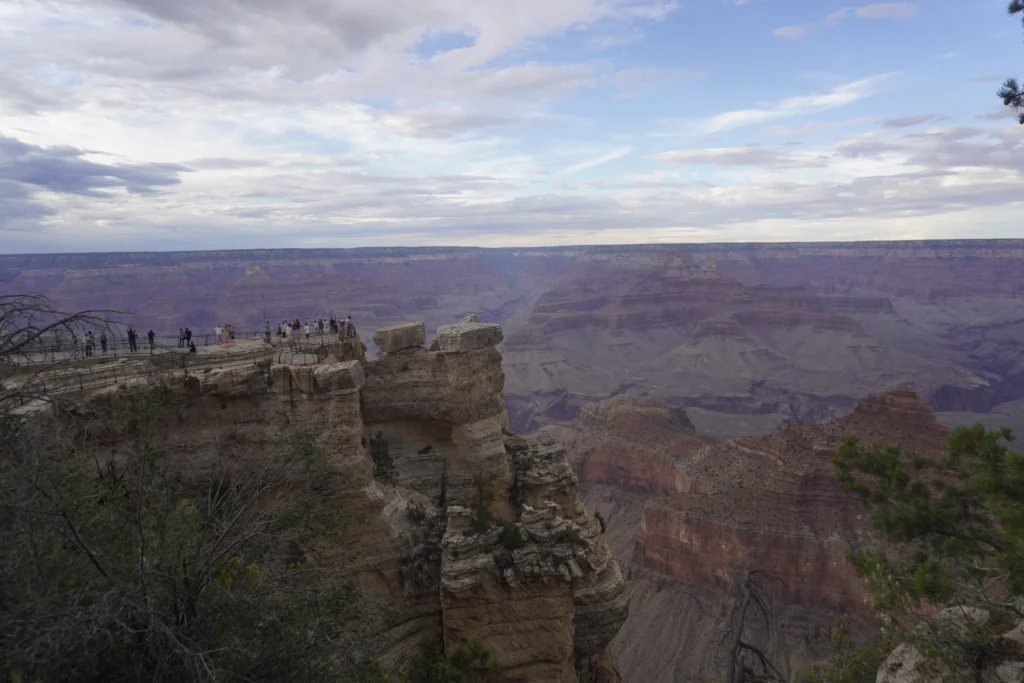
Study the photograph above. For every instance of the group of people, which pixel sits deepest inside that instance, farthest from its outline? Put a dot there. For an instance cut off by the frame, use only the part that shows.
(90, 343)
(292, 329)
(184, 338)
(225, 333)
(133, 340)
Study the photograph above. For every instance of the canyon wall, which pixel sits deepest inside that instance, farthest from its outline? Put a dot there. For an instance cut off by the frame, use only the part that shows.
(415, 437)
(747, 337)
(689, 518)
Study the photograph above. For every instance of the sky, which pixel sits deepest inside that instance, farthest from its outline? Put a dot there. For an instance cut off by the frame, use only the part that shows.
(191, 124)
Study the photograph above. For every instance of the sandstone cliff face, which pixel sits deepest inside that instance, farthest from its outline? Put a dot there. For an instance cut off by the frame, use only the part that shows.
(704, 513)
(411, 436)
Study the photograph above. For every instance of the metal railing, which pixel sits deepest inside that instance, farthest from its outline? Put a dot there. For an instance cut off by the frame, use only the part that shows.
(63, 380)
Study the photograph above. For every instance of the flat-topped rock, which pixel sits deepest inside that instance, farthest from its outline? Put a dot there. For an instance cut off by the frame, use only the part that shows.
(399, 337)
(467, 336)
(339, 376)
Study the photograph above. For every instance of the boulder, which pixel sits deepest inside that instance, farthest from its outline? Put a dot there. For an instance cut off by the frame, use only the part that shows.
(468, 336)
(399, 337)
(339, 376)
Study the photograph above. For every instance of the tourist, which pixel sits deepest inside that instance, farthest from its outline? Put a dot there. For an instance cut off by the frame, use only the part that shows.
(103, 342)
(188, 336)
(181, 338)
(192, 347)
(151, 337)
(217, 331)
(350, 329)
(307, 330)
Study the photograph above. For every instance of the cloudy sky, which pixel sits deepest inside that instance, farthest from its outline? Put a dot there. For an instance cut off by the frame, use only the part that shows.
(196, 124)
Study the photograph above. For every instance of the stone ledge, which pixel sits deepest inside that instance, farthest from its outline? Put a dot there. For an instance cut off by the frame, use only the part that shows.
(467, 336)
(339, 376)
(399, 337)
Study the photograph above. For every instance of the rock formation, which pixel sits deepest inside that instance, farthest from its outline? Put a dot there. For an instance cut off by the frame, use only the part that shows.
(906, 665)
(420, 438)
(745, 336)
(689, 517)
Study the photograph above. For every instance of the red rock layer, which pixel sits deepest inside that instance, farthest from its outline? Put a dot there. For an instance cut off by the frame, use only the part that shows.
(714, 511)
(773, 503)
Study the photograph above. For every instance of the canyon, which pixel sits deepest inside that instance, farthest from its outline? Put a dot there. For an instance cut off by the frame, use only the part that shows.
(745, 337)
(688, 518)
(682, 404)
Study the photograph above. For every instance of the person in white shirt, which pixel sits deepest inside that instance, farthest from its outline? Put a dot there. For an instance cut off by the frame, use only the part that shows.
(307, 330)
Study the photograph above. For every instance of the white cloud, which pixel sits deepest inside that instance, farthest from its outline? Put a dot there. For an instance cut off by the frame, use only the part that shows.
(598, 160)
(751, 155)
(791, 31)
(888, 10)
(259, 123)
(839, 96)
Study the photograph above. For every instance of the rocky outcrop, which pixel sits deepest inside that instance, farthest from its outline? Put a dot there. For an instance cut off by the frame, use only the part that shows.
(633, 443)
(474, 531)
(467, 336)
(400, 337)
(797, 333)
(708, 512)
(1005, 664)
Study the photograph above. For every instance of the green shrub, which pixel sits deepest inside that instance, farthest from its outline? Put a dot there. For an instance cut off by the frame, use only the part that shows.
(468, 662)
(483, 495)
(383, 465)
(511, 537)
(849, 661)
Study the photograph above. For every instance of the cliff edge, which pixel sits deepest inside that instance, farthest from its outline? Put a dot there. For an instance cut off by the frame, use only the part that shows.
(474, 531)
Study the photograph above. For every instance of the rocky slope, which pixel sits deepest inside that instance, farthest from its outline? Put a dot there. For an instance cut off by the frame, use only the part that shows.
(690, 517)
(749, 336)
(412, 435)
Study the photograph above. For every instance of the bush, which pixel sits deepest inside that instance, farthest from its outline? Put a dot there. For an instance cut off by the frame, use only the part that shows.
(117, 566)
(383, 465)
(511, 537)
(957, 528)
(849, 661)
(483, 495)
(468, 662)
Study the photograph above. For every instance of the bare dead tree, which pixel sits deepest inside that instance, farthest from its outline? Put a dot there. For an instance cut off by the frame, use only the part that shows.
(28, 322)
(746, 661)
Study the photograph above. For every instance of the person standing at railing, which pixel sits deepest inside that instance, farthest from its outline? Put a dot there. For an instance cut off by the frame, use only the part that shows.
(103, 342)
(188, 337)
(151, 336)
(88, 344)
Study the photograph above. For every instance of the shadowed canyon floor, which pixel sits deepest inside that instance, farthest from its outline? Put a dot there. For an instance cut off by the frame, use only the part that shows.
(746, 336)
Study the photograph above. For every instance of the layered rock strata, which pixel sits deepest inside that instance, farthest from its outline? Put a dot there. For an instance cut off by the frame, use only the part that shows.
(690, 517)
(474, 531)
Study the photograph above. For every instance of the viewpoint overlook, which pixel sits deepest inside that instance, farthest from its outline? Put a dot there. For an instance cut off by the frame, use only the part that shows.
(582, 481)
